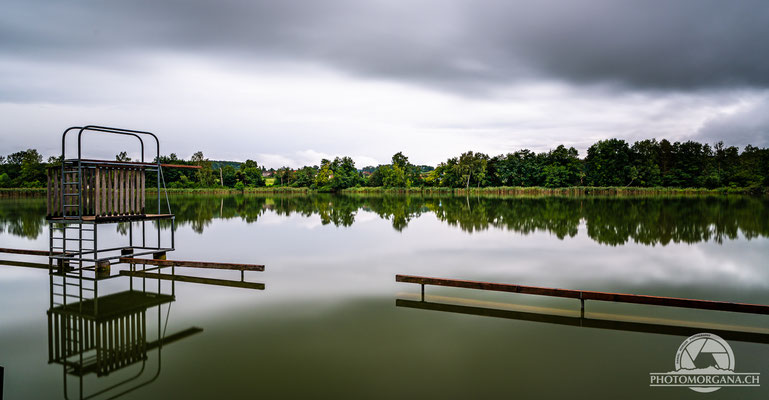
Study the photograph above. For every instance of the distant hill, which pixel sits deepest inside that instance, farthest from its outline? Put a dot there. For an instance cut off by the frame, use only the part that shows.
(216, 164)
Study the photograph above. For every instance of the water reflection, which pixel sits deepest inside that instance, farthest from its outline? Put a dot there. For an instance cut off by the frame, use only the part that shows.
(608, 322)
(610, 221)
(103, 342)
(24, 217)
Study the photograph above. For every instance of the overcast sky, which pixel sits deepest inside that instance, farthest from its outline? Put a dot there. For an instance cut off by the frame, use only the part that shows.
(289, 82)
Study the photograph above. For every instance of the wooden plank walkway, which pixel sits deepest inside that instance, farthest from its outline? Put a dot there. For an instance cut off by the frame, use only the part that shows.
(584, 295)
(195, 279)
(192, 264)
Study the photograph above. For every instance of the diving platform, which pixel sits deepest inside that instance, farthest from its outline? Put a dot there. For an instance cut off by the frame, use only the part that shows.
(91, 328)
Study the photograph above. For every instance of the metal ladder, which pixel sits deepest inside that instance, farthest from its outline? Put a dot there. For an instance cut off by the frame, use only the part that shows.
(71, 181)
(68, 282)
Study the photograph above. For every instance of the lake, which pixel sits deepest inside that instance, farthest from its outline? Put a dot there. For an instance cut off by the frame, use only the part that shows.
(331, 322)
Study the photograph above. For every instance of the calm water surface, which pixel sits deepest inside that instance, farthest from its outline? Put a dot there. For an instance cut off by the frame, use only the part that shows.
(327, 324)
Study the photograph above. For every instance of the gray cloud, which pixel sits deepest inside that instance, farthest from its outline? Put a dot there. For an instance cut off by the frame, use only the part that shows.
(294, 80)
(749, 125)
(455, 45)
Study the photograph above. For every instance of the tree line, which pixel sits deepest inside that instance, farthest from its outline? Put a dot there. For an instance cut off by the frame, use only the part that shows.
(611, 162)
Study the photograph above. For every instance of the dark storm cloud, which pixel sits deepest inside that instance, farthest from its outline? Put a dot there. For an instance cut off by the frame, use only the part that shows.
(456, 45)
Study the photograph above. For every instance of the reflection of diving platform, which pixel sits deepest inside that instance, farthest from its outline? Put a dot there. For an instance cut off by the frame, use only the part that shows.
(113, 328)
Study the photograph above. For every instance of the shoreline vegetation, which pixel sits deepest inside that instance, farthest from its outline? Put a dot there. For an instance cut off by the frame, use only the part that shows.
(610, 167)
(496, 191)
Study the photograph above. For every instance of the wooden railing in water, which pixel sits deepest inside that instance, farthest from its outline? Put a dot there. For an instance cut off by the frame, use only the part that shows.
(584, 295)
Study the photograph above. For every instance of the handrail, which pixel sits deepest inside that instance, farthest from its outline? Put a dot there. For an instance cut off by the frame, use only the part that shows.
(119, 131)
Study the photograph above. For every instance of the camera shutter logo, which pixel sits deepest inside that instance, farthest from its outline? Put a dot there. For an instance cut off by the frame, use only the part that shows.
(704, 363)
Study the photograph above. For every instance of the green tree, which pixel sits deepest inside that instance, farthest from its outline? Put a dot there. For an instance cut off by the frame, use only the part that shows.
(472, 166)
(229, 176)
(122, 157)
(608, 163)
(324, 176)
(250, 174)
(5, 181)
(284, 176)
(561, 167)
(645, 156)
(26, 169)
(204, 175)
(304, 177)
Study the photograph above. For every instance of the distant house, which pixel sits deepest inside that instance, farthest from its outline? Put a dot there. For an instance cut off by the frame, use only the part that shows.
(266, 174)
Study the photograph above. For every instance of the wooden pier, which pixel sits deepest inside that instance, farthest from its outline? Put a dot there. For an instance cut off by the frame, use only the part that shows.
(584, 295)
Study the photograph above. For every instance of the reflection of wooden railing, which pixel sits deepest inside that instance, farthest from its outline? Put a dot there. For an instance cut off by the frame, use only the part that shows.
(103, 191)
(681, 328)
(118, 342)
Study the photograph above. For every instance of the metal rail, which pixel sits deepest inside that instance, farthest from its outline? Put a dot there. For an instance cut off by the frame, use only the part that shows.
(584, 295)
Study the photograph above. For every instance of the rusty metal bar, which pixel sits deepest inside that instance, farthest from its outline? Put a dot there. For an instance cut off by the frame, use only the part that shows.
(584, 295)
(140, 164)
(193, 264)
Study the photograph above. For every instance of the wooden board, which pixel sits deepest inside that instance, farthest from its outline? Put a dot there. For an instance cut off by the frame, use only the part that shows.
(192, 264)
(590, 295)
(195, 279)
